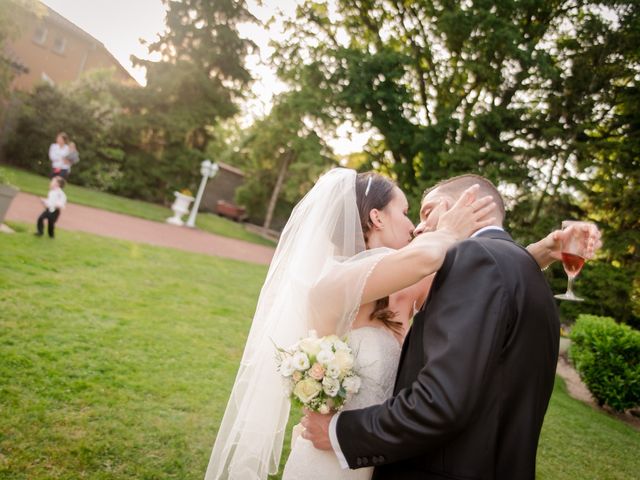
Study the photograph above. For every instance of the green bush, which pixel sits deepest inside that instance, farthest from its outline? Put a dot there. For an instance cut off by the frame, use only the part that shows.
(607, 357)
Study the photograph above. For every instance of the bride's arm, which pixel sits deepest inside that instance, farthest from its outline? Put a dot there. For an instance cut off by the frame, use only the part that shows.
(407, 266)
(425, 254)
(421, 290)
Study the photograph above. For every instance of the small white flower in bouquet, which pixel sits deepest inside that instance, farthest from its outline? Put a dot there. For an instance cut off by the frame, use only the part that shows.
(318, 372)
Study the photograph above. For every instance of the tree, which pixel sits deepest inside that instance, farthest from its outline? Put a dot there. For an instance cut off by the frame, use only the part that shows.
(166, 126)
(146, 142)
(88, 111)
(516, 91)
(9, 29)
(201, 74)
(283, 157)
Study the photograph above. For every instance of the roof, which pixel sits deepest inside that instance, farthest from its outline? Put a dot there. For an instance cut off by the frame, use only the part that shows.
(230, 168)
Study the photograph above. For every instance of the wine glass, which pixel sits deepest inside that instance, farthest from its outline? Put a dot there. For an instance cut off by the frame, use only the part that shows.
(573, 258)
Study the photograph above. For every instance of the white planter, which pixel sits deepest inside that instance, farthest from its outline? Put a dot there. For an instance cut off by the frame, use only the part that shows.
(180, 207)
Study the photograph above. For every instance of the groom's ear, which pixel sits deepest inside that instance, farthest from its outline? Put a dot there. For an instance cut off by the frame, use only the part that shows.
(375, 219)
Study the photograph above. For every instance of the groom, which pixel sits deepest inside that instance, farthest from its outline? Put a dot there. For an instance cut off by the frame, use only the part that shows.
(476, 371)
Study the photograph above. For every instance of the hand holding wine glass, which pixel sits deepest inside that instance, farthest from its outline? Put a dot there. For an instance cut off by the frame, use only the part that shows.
(576, 247)
(585, 232)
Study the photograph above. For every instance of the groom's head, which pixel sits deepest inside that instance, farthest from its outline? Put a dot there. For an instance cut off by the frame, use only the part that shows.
(441, 197)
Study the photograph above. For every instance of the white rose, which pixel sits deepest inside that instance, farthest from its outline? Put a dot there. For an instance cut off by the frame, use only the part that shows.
(324, 409)
(332, 370)
(331, 386)
(352, 384)
(300, 361)
(340, 345)
(328, 342)
(344, 360)
(286, 368)
(310, 346)
(325, 356)
(307, 390)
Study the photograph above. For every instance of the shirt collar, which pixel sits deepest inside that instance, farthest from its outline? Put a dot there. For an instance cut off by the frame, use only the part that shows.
(486, 229)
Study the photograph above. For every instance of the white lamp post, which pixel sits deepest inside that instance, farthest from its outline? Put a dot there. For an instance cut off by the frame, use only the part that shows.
(208, 170)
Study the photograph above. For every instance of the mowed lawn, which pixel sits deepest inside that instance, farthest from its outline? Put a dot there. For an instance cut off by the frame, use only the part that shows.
(116, 360)
(38, 185)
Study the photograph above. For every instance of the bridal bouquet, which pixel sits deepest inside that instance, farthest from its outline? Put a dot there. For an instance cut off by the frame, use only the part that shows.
(318, 373)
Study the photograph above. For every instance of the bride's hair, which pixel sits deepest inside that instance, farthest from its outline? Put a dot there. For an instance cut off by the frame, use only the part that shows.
(373, 191)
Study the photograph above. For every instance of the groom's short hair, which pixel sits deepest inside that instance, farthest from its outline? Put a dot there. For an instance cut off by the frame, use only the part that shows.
(456, 185)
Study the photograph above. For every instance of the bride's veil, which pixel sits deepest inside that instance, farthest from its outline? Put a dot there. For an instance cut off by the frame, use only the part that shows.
(315, 281)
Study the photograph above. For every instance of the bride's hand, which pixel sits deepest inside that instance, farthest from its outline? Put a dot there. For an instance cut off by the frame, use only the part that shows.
(468, 214)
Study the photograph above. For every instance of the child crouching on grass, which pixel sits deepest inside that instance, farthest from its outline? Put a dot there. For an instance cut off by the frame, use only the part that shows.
(55, 201)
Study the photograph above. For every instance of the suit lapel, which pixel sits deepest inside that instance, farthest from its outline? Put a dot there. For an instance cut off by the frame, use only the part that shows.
(418, 317)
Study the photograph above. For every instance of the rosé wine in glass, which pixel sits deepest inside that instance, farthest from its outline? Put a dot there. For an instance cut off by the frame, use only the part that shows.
(573, 258)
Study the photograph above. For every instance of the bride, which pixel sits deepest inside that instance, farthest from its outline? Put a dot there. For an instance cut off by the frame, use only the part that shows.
(345, 264)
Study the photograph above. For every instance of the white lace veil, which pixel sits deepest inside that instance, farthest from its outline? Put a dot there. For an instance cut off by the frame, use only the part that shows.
(315, 281)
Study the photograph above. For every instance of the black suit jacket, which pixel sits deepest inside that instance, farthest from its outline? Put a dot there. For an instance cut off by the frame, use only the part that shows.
(475, 376)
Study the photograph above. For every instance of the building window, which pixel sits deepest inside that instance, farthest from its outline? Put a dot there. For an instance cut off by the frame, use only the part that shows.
(59, 43)
(40, 35)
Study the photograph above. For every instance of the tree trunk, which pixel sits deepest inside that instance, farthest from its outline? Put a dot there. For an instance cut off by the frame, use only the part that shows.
(286, 160)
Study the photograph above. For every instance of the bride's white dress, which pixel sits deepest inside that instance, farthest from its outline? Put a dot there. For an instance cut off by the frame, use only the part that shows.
(377, 353)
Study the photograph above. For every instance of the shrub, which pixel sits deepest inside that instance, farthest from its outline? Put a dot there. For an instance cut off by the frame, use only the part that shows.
(608, 290)
(121, 152)
(607, 357)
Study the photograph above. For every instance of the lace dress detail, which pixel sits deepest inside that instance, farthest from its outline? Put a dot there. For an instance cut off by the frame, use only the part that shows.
(377, 353)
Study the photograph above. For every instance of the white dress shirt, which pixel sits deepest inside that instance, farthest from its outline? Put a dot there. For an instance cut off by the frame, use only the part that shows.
(56, 200)
(57, 155)
(333, 435)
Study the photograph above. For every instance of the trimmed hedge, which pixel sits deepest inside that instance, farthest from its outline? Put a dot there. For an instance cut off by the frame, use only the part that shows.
(607, 357)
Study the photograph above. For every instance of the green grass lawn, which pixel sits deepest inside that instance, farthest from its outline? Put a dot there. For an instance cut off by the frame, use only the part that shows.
(116, 360)
(38, 185)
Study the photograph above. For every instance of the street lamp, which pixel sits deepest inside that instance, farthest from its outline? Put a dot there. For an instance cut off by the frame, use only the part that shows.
(208, 169)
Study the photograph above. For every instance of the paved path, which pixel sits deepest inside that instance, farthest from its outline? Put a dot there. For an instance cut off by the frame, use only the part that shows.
(27, 208)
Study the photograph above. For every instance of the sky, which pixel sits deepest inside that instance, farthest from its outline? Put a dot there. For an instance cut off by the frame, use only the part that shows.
(120, 24)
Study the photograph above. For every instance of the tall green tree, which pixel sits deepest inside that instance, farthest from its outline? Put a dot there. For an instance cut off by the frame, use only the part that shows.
(282, 156)
(198, 81)
(518, 91)
(201, 74)
(506, 89)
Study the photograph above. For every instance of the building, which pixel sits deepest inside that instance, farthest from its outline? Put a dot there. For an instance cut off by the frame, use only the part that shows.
(219, 194)
(50, 48)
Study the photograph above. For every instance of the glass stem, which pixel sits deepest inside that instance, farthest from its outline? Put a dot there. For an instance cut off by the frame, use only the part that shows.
(570, 286)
